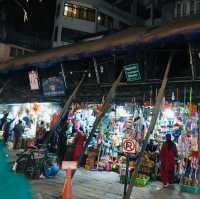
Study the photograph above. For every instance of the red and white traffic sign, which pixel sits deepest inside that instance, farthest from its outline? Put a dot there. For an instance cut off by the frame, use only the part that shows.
(69, 165)
(128, 146)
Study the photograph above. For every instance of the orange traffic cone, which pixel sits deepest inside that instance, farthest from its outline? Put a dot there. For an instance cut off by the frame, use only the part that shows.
(67, 190)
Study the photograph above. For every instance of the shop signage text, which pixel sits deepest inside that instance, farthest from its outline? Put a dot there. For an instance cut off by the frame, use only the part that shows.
(132, 72)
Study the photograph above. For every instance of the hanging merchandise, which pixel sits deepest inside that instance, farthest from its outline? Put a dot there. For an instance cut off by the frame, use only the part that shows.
(173, 96)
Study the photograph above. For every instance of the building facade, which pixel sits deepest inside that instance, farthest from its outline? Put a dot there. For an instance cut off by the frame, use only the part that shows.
(75, 19)
(10, 51)
(165, 11)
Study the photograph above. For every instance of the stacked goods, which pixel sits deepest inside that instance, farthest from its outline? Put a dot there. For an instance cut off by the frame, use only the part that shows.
(90, 161)
(147, 165)
(132, 164)
(189, 181)
(189, 185)
(89, 164)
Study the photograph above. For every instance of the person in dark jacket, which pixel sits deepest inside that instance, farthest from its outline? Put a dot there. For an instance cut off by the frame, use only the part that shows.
(5, 126)
(18, 132)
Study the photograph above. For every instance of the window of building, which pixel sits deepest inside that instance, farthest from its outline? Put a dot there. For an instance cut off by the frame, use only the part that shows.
(20, 52)
(58, 11)
(178, 9)
(184, 8)
(71, 36)
(192, 7)
(13, 52)
(79, 12)
(26, 52)
(56, 33)
(198, 7)
(105, 20)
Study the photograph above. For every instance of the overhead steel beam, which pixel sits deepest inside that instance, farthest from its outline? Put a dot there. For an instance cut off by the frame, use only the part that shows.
(129, 37)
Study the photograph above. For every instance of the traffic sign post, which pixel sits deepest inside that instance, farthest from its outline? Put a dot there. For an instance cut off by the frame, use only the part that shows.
(128, 147)
(126, 175)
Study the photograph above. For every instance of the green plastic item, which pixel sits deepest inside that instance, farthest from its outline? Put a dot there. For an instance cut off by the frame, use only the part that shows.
(140, 181)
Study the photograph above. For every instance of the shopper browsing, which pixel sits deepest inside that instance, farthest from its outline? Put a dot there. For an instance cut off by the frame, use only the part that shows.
(18, 132)
(167, 157)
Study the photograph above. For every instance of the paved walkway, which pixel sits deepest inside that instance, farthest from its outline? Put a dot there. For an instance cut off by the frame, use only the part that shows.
(105, 185)
(86, 185)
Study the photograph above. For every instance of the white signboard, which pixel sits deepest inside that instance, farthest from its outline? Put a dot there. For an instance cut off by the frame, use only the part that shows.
(33, 78)
(69, 165)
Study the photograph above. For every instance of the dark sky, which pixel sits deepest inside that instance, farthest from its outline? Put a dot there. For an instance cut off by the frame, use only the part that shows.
(40, 17)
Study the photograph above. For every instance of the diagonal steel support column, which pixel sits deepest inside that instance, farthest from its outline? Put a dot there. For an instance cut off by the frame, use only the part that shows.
(105, 108)
(66, 108)
(70, 99)
(152, 124)
(4, 86)
(191, 61)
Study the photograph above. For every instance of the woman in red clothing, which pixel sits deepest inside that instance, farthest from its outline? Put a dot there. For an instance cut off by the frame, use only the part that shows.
(79, 144)
(167, 157)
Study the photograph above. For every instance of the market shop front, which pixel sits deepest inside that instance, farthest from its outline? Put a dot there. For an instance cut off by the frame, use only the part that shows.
(128, 115)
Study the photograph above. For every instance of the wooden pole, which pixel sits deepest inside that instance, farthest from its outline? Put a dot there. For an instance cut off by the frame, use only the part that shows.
(70, 99)
(151, 126)
(4, 86)
(106, 106)
(65, 109)
(191, 61)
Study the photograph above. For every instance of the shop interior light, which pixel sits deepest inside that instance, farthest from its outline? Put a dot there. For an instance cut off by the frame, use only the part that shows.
(101, 69)
(168, 113)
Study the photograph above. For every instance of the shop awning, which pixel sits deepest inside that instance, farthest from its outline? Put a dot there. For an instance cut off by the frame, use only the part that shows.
(130, 37)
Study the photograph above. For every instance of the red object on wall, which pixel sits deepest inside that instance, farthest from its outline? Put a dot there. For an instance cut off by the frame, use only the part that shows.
(146, 103)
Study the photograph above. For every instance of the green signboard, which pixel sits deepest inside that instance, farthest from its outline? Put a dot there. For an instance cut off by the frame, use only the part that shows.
(132, 72)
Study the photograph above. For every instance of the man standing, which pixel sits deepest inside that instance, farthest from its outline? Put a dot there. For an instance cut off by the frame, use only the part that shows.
(18, 132)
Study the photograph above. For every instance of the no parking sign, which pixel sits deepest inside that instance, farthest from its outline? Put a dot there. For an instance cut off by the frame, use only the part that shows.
(128, 146)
